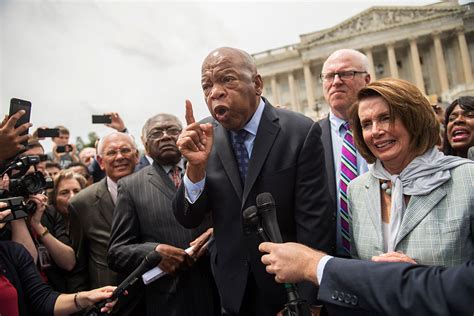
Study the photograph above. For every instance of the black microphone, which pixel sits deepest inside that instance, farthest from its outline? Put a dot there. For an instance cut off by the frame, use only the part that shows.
(267, 213)
(150, 261)
(252, 223)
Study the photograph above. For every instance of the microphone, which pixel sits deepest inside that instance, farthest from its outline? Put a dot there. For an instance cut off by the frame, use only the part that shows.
(151, 260)
(252, 223)
(267, 212)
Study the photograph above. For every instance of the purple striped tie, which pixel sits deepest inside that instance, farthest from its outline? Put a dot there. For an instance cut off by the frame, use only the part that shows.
(348, 173)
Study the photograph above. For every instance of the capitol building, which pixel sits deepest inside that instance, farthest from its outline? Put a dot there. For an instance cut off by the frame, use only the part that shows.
(431, 46)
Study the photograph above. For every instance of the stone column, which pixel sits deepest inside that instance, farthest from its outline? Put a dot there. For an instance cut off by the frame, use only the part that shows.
(442, 74)
(371, 70)
(308, 80)
(415, 58)
(276, 99)
(291, 84)
(392, 60)
(466, 61)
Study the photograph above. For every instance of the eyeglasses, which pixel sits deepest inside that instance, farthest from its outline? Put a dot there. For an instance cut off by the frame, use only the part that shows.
(124, 151)
(343, 75)
(159, 133)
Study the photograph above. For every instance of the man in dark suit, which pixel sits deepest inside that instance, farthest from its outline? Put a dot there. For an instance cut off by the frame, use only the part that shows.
(91, 213)
(356, 287)
(144, 222)
(344, 73)
(281, 151)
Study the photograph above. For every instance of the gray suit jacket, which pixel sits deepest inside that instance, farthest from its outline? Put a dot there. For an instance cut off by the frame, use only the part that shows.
(436, 229)
(144, 218)
(91, 212)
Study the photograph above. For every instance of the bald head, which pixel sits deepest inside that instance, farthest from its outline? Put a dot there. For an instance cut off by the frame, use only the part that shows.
(237, 56)
(339, 93)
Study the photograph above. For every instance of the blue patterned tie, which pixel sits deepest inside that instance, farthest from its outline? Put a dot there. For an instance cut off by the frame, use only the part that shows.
(241, 153)
(348, 173)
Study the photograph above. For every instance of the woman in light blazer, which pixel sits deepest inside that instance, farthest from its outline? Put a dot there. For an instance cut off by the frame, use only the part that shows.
(415, 204)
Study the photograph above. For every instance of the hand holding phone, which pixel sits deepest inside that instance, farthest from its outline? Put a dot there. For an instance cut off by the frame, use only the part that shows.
(47, 132)
(17, 105)
(13, 132)
(64, 148)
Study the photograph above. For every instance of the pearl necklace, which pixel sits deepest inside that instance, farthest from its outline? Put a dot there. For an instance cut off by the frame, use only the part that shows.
(384, 186)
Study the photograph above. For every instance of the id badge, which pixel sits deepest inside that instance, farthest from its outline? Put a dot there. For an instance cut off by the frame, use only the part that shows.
(44, 257)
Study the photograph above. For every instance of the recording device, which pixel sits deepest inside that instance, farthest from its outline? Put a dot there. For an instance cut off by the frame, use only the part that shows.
(64, 148)
(48, 132)
(23, 185)
(18, 208)
(262, 220)
(151, 260)
(17, 105)
(101, 119)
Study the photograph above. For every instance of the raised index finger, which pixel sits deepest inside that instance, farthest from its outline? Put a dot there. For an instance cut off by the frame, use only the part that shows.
(189, 113)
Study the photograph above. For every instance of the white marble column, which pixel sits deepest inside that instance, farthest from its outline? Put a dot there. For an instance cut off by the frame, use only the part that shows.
(415, 58)
(308, 80)
(291, 84)
(392, 60)
(466, 61)
(441, 64)
(371, 70)
(275, 96)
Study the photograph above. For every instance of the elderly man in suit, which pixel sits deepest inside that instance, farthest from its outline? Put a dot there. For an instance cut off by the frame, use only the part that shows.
(344, 73)
(91, 213)
(250, 147)
(356, 287)
(144, 222)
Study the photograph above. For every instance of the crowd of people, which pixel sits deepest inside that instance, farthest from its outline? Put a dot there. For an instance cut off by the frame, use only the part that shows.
(379, 180)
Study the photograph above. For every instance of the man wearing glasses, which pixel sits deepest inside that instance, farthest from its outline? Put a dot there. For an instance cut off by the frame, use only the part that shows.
(91, 214)
(143, 221)
(344, 73)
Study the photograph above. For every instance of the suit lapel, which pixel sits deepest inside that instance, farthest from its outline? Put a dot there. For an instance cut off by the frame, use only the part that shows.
(372, 197)
(159, 178)
(326, 139)
(417, 209)
(104, 202)
(267, 131)
(226, 155)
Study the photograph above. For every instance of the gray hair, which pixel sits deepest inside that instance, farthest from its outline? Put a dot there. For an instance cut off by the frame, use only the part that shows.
(156, 118)
(355, 55)
(100, 145)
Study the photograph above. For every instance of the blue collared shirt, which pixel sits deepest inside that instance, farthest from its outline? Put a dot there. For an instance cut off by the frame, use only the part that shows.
(194, 190)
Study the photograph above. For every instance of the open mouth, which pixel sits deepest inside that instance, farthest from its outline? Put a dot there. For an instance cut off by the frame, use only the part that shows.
(384, 144)
(221, 112)
(459, 135)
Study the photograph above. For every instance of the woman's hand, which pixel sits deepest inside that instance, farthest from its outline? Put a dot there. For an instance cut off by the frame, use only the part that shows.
(41, 202)
(98, 295)
(4, 214)
(393, 257)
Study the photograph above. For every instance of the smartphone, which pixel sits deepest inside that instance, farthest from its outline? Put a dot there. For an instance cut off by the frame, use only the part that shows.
(101, 119)
(17, 105)
(48, 132)
(64, 149)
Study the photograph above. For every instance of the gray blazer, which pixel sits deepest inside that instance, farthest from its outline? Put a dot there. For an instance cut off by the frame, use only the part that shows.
(436, 229)
(91, 212)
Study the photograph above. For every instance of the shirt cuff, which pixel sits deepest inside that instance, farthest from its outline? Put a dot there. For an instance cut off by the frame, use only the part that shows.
(193, 190)
(321, 266)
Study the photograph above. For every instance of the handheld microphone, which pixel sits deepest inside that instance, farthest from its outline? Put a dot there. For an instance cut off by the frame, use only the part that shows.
(151, 260)
(267, 213)
(252, 223)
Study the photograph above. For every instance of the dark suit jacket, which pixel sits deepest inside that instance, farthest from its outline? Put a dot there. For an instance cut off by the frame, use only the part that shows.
(142, 163)
(91, 212)
(144, 218)
(326, 139)
(354, 286)
(286, 161)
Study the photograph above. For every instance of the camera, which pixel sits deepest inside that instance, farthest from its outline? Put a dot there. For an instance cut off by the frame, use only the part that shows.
(22, 185)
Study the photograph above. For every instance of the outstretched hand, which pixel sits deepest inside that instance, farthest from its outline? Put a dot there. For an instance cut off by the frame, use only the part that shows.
(10, 136)
(195, 144)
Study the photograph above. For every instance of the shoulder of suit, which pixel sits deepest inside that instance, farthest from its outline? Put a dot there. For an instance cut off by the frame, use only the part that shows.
(361, 180)
(464, 170)
(136, 176)
(85, 194)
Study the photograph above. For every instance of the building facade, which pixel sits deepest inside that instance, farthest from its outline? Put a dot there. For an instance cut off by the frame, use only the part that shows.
(431, 46)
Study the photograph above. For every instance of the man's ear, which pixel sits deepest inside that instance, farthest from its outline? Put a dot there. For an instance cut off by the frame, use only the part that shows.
(258, 84)
(100, 160)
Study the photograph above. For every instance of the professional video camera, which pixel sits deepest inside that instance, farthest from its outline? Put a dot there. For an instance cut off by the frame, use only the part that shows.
(23, 184)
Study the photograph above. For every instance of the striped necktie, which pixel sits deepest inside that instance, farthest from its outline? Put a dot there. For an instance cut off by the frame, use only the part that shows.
(175, 175)
(348, 173)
